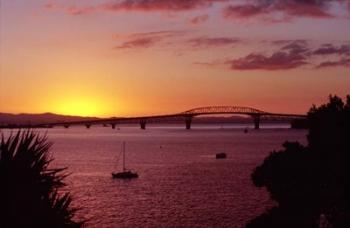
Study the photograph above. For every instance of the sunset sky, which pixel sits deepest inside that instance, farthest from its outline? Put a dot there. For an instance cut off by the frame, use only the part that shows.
(142, 57)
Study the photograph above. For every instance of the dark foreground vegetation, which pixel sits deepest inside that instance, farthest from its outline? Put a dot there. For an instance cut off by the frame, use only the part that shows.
(29, 188)
(311, 184)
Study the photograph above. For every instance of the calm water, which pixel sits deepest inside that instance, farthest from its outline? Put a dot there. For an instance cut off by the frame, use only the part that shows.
(181, 184)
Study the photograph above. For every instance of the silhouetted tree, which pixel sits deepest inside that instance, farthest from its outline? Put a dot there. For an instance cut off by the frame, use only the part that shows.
(29, 194)
(313, 180)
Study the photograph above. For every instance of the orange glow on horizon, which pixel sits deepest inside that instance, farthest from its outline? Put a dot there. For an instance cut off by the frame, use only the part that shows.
(79, 108)
(82, 106)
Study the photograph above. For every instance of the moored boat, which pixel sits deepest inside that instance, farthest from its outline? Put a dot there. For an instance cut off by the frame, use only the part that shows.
(125, 174)
(221, 155)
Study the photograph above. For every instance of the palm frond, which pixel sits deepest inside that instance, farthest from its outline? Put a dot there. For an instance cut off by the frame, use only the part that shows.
(29, 186)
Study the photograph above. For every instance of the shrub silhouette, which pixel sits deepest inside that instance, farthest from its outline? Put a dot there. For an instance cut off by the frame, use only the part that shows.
(29, 187)
(313, 181)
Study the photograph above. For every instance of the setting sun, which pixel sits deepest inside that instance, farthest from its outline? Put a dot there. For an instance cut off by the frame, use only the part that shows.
(81, 106)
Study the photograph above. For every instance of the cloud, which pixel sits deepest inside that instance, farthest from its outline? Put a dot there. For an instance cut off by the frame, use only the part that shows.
(281, 10)
(210, 64)
(162, 33)
(146, 39)
(244, 11)
(159, 5)
(290, 56)
(213, 42)
(73, 10)
(339, 63)
(287, 41)
(49, 5)
(138, 43)
(305, 8)
(199, 19)
(277, 61)
(297, 47)
(268, 10)
(137, 5)
(329, 49)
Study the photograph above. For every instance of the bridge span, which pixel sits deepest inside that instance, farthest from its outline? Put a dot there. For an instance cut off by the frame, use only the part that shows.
(185, 116)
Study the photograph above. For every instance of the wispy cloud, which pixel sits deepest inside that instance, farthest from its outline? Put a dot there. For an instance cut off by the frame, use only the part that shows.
(345, 62)
(49, 5)
(159, 5)
(215, 63)
(287, 41)
(281, 11)
(137, 5)
(202, 42)
(149, 39)
(199, 19)
(288, 57)
(146, 39)
(329, 49)
(291, 55)
(139, 43)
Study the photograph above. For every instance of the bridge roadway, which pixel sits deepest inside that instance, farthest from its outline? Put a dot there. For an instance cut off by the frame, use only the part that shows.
(186, 116)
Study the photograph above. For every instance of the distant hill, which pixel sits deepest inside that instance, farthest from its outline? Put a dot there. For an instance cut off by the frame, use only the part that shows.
(23, 118)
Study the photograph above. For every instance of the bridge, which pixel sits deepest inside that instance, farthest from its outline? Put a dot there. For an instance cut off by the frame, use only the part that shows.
(185, 116)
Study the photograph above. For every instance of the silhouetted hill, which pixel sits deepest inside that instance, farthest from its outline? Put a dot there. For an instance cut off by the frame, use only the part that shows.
(7, 118)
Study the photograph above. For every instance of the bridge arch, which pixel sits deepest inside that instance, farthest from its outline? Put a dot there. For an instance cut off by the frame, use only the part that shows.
(208, 110)
(223, 110)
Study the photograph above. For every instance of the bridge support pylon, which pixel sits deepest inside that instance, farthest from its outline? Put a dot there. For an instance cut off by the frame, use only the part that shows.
(143, 124)
(256, 119)
(188, 122)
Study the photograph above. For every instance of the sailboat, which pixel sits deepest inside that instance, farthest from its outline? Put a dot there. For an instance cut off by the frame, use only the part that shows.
(125, 174)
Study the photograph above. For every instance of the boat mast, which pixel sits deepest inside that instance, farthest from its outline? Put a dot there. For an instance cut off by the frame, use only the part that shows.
(124, 156)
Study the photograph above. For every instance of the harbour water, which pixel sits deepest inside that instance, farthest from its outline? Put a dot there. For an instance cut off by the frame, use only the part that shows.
(180, 183)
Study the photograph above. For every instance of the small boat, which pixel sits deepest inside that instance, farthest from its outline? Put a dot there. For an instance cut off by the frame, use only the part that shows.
(125, 174)
(221, 155)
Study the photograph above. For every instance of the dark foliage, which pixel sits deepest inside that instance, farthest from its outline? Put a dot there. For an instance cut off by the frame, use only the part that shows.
(29, 187)
(313, 180)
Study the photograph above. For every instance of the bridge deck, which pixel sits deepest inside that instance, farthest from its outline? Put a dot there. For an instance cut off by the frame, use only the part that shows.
(187, 116)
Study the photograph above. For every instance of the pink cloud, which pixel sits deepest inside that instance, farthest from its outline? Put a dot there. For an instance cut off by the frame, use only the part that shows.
(139, 43)
(138, 5)
(73, 10)
(278, 11)
(199, 19)
(216, 63)
(49, 6)
(244, 11)
(159, 5)
(292, 55)
(146, 39)
(277, 61)
(339, 63)
(305, 8)
(287, 41)
(329, 49)
(213, 42)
